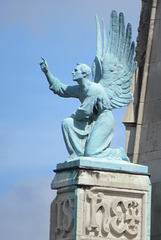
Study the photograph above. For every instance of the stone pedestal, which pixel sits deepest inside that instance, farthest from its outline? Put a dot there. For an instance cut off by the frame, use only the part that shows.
(100, 202)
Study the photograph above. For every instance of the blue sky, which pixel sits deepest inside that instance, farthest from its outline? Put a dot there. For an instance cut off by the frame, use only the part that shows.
(31, 142)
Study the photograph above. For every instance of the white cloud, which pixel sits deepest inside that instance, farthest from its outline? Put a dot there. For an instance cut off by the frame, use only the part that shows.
(25, 212)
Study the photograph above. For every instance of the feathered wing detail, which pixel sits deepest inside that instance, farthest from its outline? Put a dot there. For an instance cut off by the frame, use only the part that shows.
(97, 64)
(114, 66)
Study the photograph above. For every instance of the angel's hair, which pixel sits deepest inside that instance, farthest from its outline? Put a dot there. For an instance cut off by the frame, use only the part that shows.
(85, 69)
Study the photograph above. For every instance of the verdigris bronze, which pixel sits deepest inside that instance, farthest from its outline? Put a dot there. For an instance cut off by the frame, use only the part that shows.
(89, 131)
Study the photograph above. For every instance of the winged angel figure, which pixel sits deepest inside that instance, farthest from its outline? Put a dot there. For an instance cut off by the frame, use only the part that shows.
(89, 131)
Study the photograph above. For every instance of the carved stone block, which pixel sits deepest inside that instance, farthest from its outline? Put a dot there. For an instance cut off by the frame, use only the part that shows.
(110, 205)
(113, 215)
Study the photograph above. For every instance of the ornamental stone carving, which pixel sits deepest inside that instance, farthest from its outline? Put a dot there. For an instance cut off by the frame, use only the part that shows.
(62, 216)
(112, 216)
(100, 205)
(126, 217)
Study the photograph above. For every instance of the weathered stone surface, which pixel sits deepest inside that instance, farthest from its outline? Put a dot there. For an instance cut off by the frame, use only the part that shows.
(153, 107)
(157, 237)
(150, 138)
(149, 156)
(153, 166)
(143, 31)
(147, 146)
(130, 139)
(153, 92)
(99, 178)
(158, 10)
(156, 50)
(100, 205)
(156, 210)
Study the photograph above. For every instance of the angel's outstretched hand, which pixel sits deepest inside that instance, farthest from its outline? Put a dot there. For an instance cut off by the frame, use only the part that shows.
(44, 65)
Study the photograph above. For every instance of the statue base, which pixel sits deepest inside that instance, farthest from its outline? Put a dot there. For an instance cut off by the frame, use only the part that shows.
(101, 200)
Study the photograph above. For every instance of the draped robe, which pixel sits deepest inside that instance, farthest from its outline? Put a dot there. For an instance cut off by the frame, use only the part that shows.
(88, 132)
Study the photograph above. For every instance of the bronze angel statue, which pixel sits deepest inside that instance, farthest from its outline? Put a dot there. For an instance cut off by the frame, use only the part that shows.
(88, 132)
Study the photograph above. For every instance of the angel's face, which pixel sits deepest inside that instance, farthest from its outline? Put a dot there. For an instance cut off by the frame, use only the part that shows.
(77, 73)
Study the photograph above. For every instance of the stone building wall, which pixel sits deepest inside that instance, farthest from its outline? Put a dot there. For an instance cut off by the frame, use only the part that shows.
(144, 130)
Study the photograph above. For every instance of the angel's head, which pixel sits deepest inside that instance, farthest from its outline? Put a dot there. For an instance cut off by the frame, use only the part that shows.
(82, 71)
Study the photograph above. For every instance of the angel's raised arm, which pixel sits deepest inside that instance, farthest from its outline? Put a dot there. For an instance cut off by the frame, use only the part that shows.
(56, 86)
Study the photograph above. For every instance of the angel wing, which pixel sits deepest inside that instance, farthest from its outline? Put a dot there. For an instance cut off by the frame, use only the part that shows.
(114, 66)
